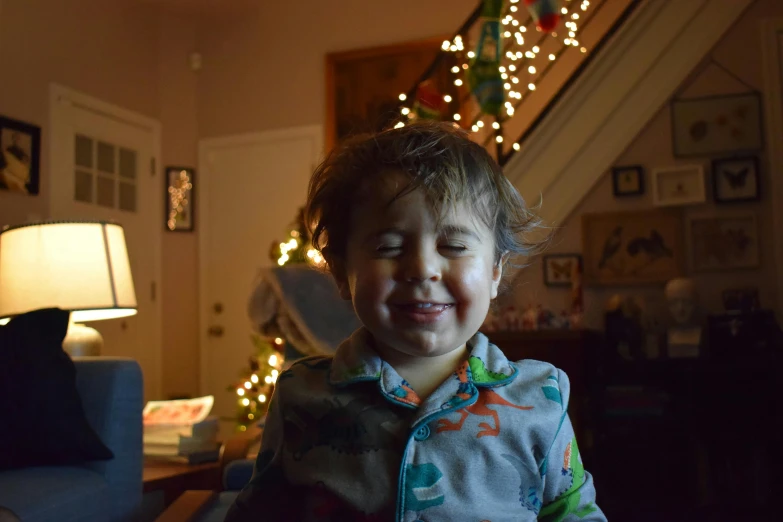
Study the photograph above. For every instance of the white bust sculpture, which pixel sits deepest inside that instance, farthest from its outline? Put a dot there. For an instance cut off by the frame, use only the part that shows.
(685, 335)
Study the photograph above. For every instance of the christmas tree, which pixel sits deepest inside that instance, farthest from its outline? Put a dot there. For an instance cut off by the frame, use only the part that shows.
(257, 381)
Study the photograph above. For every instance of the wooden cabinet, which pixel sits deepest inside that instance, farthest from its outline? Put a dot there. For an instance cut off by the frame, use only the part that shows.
(574, 352)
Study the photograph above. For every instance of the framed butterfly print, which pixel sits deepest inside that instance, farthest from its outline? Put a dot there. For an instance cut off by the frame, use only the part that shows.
(559, 268)
(736, 179)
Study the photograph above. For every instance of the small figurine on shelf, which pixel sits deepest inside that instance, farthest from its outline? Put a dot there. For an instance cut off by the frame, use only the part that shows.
(511, 321)
(546, 319)
(576, 318)
(564, 322)
(530, 318)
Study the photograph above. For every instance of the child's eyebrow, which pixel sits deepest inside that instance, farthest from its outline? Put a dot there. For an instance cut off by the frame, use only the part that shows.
(456, 230)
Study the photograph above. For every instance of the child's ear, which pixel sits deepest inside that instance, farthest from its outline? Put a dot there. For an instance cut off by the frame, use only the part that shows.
(497, 274)
(337, 268)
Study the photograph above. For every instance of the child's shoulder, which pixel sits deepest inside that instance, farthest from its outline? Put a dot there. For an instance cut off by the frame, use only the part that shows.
(543, 378)
(314, 363)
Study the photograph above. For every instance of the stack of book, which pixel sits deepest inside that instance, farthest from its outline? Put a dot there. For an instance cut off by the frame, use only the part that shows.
(181, 431)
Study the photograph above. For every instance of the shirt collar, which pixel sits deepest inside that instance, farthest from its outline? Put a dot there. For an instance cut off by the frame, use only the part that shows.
(356, 361)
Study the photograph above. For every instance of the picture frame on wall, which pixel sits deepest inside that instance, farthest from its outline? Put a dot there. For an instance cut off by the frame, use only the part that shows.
(680, 185)
(717, 125)
(632, 248)
(628, 181)
(559, 268)
(20, 153)
(180, 194)
(736, 180)
(724, 243)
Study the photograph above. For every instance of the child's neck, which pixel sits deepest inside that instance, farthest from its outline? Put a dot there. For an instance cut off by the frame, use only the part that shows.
(424, 374)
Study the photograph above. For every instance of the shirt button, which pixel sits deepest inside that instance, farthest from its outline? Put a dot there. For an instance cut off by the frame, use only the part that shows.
(423, 433)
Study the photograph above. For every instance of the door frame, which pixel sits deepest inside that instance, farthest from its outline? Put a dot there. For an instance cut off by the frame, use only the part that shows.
(205, 146)
(772, 56)
(60, 99)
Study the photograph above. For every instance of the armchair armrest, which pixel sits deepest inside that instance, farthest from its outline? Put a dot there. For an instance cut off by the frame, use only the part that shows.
(111, 389)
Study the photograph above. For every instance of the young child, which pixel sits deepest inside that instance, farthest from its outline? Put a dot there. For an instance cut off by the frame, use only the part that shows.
(417, 416)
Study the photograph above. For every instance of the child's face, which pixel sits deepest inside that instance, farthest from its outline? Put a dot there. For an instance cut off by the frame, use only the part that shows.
(421, 285)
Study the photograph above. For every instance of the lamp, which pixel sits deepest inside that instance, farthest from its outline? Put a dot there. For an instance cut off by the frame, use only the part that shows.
(80, 266)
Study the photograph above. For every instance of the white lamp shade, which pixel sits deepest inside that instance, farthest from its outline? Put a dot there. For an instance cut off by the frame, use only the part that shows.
(82, 267)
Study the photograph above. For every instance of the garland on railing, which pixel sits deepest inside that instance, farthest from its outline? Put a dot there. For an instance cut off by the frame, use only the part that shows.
(503, 67)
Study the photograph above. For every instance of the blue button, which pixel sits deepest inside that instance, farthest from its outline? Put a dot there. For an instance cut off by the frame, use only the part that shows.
(423, 433)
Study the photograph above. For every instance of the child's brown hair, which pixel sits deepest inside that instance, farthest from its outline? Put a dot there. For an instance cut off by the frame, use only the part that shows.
(440, 160)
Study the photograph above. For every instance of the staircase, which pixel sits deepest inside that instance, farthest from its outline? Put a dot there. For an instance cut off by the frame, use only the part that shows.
(576, 96)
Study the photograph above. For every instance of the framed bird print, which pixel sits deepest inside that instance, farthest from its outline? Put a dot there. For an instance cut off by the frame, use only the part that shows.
(559, 269)
(735, 180)
(632, 248)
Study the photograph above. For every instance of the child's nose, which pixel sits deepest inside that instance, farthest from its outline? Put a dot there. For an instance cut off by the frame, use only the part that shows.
(421, 265)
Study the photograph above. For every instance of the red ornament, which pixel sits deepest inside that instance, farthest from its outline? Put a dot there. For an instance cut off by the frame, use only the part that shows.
(545, 13)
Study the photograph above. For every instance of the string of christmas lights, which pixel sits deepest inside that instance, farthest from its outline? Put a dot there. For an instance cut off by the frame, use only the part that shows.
(519, 57)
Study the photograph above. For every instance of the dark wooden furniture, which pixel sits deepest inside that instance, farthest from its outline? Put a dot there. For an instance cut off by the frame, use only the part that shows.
(174, 478)
(574, 352)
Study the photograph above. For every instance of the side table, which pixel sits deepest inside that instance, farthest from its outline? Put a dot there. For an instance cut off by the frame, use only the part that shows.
(171, 479)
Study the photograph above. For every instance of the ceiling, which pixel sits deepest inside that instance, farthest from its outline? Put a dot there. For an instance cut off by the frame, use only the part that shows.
(203, 6)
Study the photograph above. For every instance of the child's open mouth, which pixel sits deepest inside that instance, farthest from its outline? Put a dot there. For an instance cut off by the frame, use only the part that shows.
(422, 313)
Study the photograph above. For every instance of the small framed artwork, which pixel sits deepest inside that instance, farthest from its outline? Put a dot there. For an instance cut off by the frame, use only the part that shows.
(559, 269)
(724, 243)
(20, 152)
(717, 125)
(683, 185)
(631, 248)
(628, 181)
(180, 191)
(735, 180)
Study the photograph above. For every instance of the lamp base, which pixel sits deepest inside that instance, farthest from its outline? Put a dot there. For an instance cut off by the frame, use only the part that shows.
(82, 340)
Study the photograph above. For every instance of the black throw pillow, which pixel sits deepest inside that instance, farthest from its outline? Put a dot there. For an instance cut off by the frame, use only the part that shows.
(42, 421)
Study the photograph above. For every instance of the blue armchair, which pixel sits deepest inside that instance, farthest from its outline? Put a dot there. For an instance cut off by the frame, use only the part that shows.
(111, 390)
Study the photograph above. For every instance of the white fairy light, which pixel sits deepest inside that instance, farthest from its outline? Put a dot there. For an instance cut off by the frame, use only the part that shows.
(504, 76)
(531, 70)
(475, 128)
(447, 98)
(513, 9)
(480, 123)
(552, 57)
(510, 111)
(536, 49)
(499, 139)
(564, 10)
(502, 69)
(514, 79)
(512, 67)
(507, 34)
(471, 54)
(583, 49)
(445, 46)
(457, 117)
(529, 54)
(457, 82)
(516, 146)
(402, 97)
(405, 111)
(399, 125)
(506, 86)
(515, 22)
(531, 86)
(496, 125)
(575, 16)
(455, 69)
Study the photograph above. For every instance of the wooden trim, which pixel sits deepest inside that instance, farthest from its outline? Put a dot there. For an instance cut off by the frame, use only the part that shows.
(332, 59)
(771, 38)
(188, 507)
(626, 85)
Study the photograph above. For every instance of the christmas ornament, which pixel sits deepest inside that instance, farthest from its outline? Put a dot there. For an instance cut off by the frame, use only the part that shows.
(483, 73)
(545, 13)
(429, 102)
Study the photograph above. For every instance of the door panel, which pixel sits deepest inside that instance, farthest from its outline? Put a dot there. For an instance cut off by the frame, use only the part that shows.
(101, 169)
(251, 191)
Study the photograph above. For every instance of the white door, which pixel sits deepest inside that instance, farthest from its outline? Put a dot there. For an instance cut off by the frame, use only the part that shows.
(250, 190)
(102, 168)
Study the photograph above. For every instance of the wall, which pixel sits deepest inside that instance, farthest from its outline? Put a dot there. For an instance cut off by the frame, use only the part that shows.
(738, 51)
(264, 68)
(133, 55)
